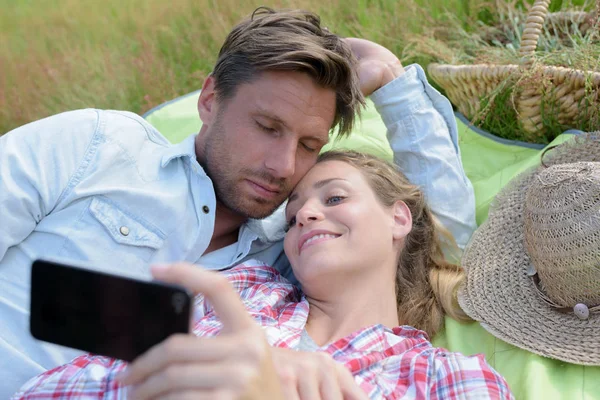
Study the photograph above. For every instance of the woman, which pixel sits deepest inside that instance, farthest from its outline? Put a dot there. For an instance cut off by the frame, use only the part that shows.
(365, 248)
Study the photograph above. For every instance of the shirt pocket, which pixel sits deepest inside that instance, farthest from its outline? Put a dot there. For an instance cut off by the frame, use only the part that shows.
(113, 237)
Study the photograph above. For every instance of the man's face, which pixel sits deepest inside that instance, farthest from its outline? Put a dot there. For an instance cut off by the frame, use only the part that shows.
(257, 145)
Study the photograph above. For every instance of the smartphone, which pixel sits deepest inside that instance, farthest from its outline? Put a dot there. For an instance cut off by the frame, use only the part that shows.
(104, 314)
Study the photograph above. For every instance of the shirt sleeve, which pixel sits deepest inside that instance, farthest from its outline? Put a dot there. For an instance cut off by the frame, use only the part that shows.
(87, 377)
(423, 135)
(38, 163)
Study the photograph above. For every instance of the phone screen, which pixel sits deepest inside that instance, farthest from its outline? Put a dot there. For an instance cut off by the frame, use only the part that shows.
(104, 314)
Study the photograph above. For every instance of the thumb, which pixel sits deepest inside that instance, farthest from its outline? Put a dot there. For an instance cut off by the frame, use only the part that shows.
(215, 288)
(349, 387)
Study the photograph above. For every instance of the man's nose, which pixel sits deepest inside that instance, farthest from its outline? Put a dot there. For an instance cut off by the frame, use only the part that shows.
(281, 161)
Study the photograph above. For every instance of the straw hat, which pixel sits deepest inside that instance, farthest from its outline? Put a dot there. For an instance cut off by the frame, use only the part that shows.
(533, 268)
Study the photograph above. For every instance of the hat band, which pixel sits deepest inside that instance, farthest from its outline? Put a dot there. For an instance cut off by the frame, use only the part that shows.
(582, 311)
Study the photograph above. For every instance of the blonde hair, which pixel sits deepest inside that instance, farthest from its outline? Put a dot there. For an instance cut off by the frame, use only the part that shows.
(426, 284)
(290, 41)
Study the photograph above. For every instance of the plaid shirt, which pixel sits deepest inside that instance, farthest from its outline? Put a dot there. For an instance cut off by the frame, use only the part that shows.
(397, 363)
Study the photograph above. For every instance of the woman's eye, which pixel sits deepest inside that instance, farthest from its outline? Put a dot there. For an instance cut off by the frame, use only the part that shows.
(334, 199)
(290, 223)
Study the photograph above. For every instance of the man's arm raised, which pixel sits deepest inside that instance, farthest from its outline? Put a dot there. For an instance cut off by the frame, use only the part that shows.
(422, 133)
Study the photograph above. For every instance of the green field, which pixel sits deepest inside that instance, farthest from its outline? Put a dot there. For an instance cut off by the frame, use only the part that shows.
(58, 55)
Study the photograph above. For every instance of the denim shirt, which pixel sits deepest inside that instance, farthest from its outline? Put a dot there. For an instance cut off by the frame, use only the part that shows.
(106, 187)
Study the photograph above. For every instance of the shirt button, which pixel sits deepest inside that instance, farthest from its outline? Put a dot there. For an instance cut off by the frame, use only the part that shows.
(124, 230)
(205, 209)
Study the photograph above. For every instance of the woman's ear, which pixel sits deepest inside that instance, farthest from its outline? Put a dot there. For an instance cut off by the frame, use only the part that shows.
(207, 107)
(402, 220)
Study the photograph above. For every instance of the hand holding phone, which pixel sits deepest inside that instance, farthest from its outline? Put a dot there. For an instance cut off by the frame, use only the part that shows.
(236, 364)
(104, 314)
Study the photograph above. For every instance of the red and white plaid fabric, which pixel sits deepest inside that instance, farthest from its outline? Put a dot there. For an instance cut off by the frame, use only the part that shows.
(397, 363)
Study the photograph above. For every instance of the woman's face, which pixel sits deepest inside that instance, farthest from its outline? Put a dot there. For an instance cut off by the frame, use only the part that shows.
(338, 228)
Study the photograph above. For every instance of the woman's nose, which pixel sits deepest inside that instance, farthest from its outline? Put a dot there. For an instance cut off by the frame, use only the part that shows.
(310, 212)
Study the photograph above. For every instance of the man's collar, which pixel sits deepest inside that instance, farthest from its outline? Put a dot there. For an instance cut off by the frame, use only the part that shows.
(270, 229)
(186, 148)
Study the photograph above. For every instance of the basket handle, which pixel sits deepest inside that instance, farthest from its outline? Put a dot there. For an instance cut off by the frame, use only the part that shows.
(533, 29)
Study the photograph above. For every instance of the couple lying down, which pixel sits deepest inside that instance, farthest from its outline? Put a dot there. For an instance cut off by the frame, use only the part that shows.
(366, 251)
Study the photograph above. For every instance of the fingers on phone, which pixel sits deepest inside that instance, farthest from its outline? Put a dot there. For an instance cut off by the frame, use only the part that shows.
(215, 287)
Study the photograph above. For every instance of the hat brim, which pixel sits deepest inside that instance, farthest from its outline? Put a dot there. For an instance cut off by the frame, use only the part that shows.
(499, 294)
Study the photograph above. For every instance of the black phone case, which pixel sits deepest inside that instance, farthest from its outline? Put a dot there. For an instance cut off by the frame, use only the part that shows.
(104, 314)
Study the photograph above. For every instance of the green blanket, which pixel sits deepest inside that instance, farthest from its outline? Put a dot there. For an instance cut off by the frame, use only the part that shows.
(489, 163)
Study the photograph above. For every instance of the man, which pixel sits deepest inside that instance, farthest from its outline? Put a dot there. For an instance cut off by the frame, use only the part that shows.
(105, 186)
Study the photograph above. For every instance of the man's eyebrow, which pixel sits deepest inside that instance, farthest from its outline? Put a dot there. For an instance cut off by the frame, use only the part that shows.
(316, 185)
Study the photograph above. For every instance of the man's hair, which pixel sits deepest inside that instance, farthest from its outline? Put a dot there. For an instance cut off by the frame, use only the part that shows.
(426, 284)
(290, 41)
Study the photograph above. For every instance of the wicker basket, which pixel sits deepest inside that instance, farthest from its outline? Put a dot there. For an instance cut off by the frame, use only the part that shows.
(467, 85)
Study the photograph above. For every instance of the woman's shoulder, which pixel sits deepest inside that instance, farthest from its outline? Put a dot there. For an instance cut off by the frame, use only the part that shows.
(440, 372)
(414, 344)
(402, 361)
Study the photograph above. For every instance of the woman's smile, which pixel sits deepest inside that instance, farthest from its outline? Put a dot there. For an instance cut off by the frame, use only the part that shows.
(314, 237)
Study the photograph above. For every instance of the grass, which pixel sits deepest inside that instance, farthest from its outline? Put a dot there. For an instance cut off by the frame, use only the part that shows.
(58, 55)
